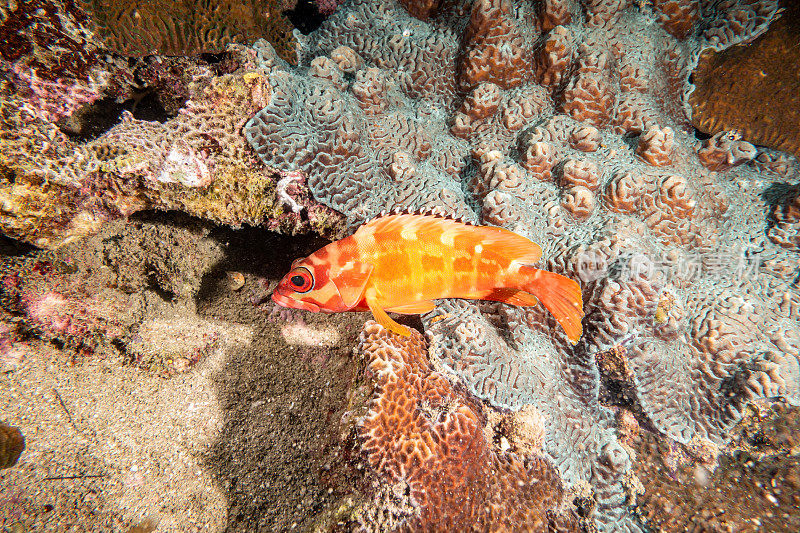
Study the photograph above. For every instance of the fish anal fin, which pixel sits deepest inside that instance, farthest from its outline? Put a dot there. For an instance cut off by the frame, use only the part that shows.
(513, 297)
(417, 308)
(560, 295)
(351, 282)
(381, 317)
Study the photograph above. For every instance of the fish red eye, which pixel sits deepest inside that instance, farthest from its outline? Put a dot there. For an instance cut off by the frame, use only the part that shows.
(301, 280)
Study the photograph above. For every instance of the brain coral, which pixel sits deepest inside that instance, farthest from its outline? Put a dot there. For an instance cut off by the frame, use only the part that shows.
(586, 149)
(423, 431)
(189, 27)
(754, 88)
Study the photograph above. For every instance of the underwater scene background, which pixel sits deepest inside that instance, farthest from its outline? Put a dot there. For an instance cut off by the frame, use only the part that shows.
(163, 163)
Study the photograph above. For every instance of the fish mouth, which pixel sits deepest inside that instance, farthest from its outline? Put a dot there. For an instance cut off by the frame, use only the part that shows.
(286, 301)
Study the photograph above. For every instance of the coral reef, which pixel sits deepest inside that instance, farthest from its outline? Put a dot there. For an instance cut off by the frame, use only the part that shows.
(566, 122)
(725, 150)
(197, 163)
(425, 433)
(47, 58)
(543, 147)
(753, 88)
(187, 28)
(677, 16)
(12, 444)
(496, 48)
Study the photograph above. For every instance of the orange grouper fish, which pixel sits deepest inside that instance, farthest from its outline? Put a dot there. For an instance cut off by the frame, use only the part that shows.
(403, 262)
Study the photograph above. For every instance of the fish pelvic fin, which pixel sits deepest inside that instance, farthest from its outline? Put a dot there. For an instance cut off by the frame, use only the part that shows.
(560, 295)
(381, 317)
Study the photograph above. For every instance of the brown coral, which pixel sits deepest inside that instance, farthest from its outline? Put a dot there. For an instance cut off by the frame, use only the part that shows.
(369, 88)
(677, 16)
(495, 172)
(582, 173)
(579, 201)
(481, 103)
(585, 138)
(624, 192)
(554, 57)
(589, 98)
(521, 109)
(602, 11)
(12, 444)
(753, 89)
(670, 212)
(554, 13)
(185, 27)
(346, 59)
(495, 49)
(632, 115)
(725, 150)
(633, 77)
(786, 217)
(421, 430)
(421, 9)
(656, 146)
(539, 159)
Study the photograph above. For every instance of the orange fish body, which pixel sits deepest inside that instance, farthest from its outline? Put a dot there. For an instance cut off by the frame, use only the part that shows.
(402, 263)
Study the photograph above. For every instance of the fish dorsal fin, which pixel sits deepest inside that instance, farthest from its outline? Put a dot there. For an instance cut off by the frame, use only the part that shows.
(404, 221)
(351, 281)
(446, 230)
(433, 212)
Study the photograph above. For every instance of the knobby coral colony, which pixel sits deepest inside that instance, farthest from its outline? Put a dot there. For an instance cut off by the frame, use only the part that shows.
(568, 124)
(565, 122)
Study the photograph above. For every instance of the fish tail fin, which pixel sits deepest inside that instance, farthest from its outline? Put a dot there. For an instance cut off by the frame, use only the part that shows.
(559, 294)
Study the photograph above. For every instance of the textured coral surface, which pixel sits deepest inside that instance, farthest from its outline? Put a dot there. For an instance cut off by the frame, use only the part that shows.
(583, 145)
(754, 88)
(197, 163)
(422, 431)
(189, 27)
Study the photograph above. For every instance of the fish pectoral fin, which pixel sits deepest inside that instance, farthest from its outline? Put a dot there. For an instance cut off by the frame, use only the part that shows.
(382, 318)
(417, 308)
(513, 297)
(351, 281)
